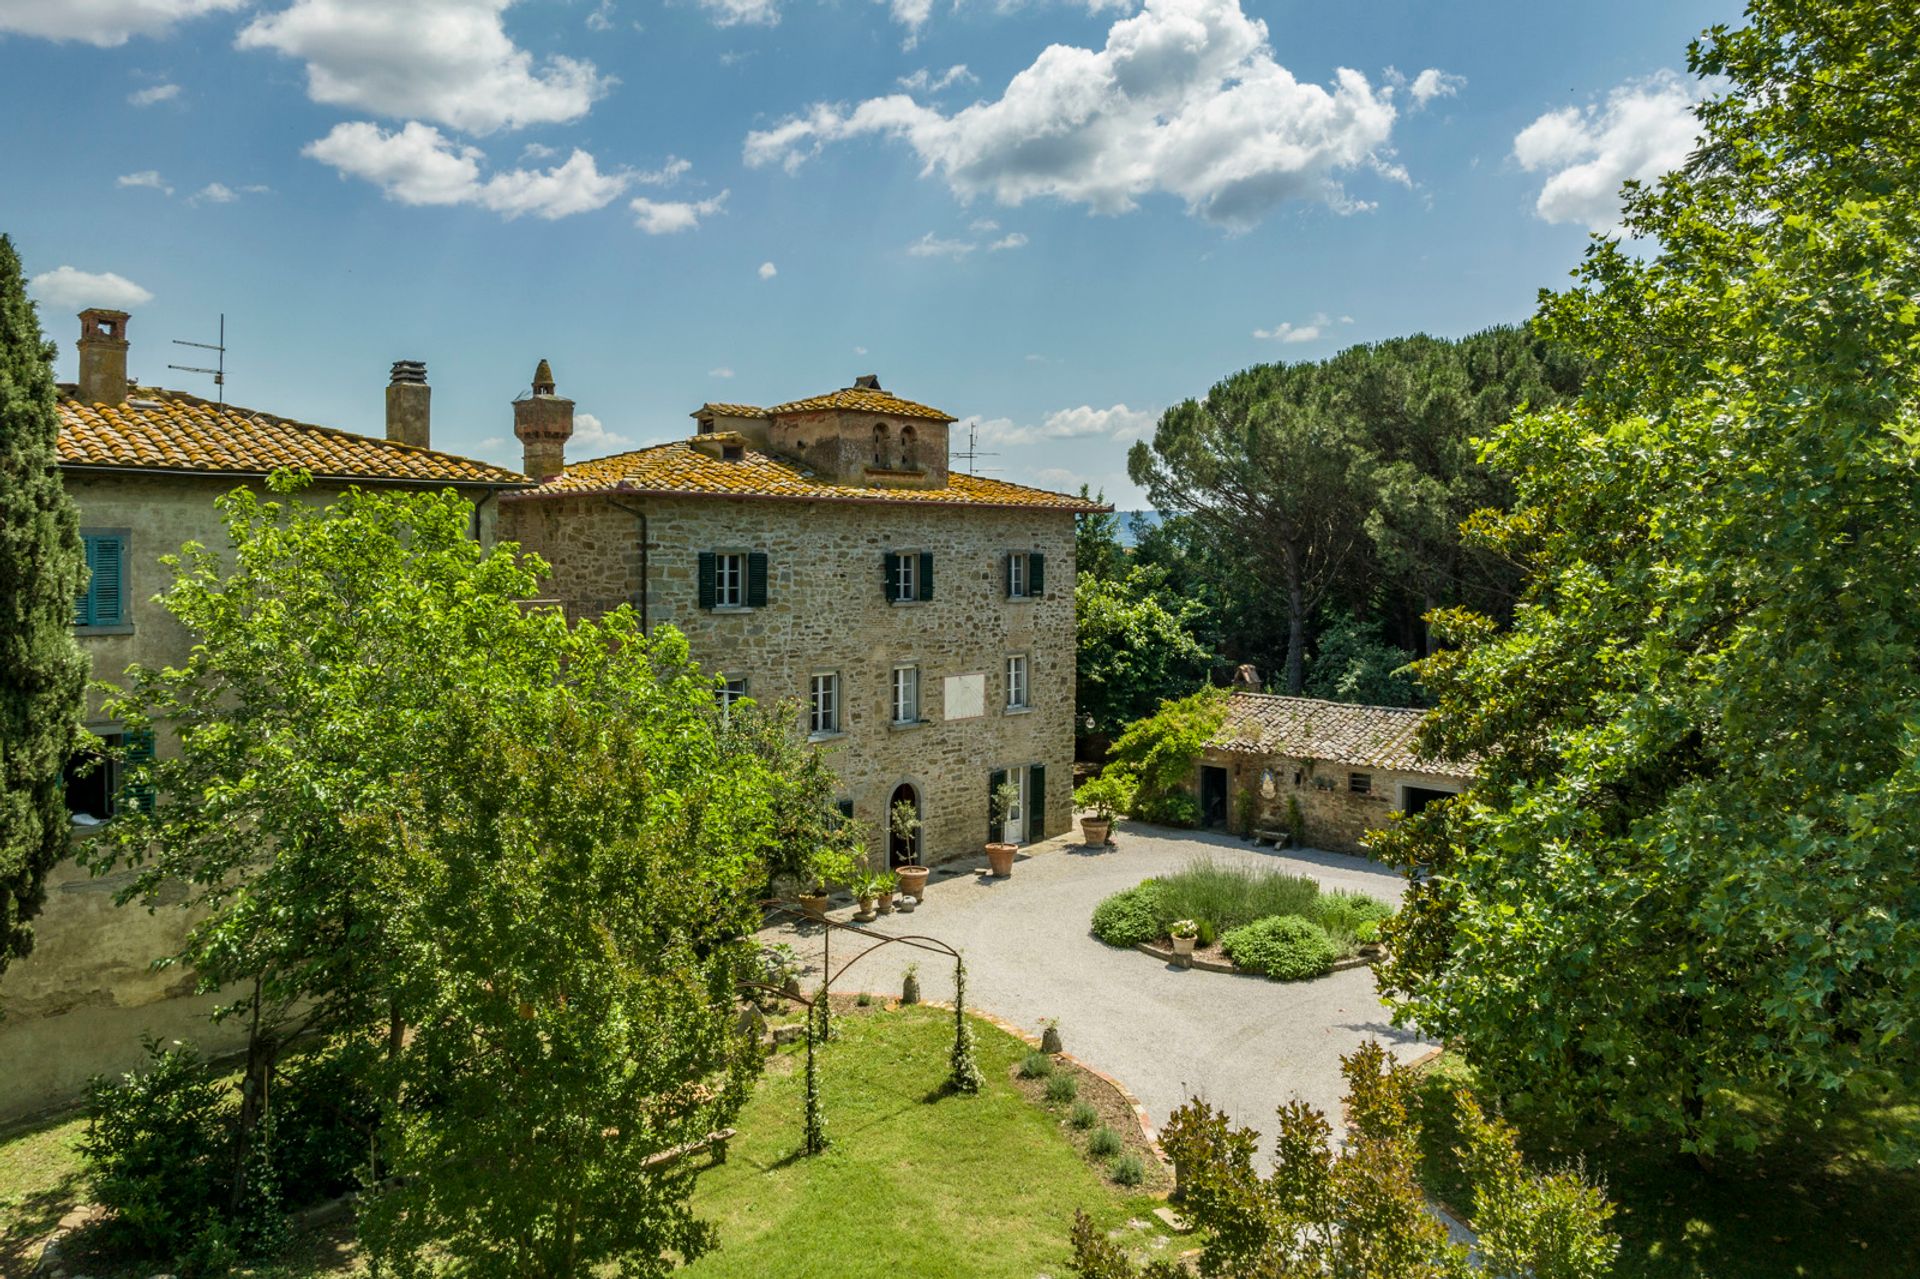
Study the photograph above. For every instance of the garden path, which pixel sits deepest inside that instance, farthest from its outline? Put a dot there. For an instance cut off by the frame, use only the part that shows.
(1244, 1044)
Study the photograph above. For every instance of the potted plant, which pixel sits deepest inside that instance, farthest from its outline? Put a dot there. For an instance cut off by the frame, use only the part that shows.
(865, 886)
(1184, 932)
(904, 823)
(1104, 796)
(884, 887)
(831, 864)
(1000, 854)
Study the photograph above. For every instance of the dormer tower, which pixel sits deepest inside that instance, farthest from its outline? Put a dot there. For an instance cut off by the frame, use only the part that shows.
(865, 435)
(103, 356)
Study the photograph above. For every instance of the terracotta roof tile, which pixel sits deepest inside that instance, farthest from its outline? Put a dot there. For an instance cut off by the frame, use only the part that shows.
(728, 410)
(680, 468)
(175, 431)
(862, 400)
(1339, 732)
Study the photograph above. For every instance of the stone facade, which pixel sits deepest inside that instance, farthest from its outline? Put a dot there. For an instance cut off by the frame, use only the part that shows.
(827, 611)
(79, 1004)
(1340, 804)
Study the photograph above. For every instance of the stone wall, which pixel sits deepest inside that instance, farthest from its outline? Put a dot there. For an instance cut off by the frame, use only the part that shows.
(1337, 816)
(78, 1005)
(826, 611)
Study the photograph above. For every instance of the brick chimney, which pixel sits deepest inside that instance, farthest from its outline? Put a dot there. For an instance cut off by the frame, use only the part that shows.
(543, 422)
(409, 404)
(103, 356)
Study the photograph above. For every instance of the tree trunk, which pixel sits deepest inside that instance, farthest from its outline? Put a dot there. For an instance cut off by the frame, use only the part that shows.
(1296, 633)
(253, 1100)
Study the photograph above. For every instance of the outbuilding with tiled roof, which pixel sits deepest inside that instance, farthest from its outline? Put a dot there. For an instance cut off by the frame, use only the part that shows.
(1325, 774)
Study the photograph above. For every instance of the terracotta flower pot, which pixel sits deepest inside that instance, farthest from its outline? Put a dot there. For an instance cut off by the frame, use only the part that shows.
(815, 904)
(866, 909)
(884, 903)
(1000, 859)
(1096, 832)
(1183, 947)
(913, 881)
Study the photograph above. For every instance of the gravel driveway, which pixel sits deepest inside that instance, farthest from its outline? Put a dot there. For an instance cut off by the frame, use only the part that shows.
(1243, 1043)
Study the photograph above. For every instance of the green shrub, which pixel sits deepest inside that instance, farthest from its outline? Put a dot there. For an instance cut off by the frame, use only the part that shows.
(1084, 1115)
(1285, 948)
(1128, 1170)
(1103, 1143)
(1062, 1088)
(1129, 918)
(1228, 897)
(323, 1115)
(1368, 932)
(1036, 1065)
(1178, 809)
(863, 999)
(1207, 933)
(1339, 908)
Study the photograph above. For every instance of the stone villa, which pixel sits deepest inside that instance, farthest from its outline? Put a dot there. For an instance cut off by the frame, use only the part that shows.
(1344, 768)
(144, 466)
(821, 551)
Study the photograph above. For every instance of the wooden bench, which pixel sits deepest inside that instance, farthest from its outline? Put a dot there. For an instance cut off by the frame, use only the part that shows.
(1278, 838)
(715, 1143)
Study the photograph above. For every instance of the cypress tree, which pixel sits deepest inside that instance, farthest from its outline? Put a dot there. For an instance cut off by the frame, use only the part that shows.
(43, 673)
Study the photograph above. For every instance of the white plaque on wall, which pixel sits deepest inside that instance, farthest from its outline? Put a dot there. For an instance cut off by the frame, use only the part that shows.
(965, 696)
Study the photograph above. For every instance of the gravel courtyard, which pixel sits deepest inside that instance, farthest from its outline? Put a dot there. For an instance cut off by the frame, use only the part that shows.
(1243, 1043)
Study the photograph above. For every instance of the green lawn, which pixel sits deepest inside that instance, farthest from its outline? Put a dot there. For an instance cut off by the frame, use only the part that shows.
(916, 1182)
(1815, 1202)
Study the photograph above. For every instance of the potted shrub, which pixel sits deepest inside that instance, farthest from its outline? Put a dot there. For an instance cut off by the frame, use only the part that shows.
(1184, 932)
(1106, 795)
(884, 887)
(1000, 854)
(904, 823)
(866, 887)
(830, 865)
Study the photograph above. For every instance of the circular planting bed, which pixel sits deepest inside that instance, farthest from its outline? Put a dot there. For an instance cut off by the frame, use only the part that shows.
(1260, 922)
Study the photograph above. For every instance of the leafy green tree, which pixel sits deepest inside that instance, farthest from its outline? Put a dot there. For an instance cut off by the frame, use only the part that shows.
(1356, 1210)
(1133, 652)
(1351, 663)
(510, 863)
(1155, 756)
(43, 674)
(1682, 893)
(1096, 540)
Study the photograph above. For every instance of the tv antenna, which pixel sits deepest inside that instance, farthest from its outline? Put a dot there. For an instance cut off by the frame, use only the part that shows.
(972, 450)
(219, 371)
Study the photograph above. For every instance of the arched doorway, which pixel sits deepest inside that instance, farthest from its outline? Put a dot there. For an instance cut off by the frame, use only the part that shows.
(902, 852)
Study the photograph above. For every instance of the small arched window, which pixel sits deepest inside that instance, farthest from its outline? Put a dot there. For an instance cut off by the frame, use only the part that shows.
(906, 448)
(879, 443)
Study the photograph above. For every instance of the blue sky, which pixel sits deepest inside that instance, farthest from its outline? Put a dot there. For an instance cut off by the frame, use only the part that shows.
(1055, 218)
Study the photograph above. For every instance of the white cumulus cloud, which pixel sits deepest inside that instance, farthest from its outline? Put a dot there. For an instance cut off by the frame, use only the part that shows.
(1117, 423)
(154, 94)
(931, 245)
(742, 13)
(1287, 331)
(768, 270)
(103, 22)
(416, 164)
(1434, 83)
(449, 61)
(589, 432)
(925, 81)
(149, 178)
(1185, 98)
(669, 217)
(65, 286)
(1644, 129)
(215, 193)
(722, 372)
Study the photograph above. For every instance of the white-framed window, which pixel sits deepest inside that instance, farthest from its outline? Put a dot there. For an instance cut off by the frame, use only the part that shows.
(729, 579)
(1016, 576)
(1017, 681)
(906, 694)
(823, 704)
(906, 577)
(732, 689)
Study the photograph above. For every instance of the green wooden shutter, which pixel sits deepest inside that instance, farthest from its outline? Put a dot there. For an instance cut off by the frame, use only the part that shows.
(137, 795)
(926, 575)
(1036, 801)
(83, 599)
(995, 780)
(109, 600)
(1006, 575)
(1036, 573)
(889, 569)
(757, 579)
(706, 579)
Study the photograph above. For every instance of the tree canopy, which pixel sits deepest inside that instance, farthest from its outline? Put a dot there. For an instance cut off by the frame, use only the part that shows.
(1342, 484)
(507, 864)
(1685, 881)
(43, 673)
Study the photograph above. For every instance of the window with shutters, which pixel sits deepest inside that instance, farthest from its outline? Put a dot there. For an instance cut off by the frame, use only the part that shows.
(1025, 574)
(1017, 682)
(732, 688)
(908, 576)
(729, 580)
(102, 782)
(906, 694)
(102, 602)
(1360, 783)
(1016, 576)
(823, 704)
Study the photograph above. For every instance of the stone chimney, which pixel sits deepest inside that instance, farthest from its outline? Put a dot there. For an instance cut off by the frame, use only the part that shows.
(543, 422)
(409, 404)
(103, 356)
